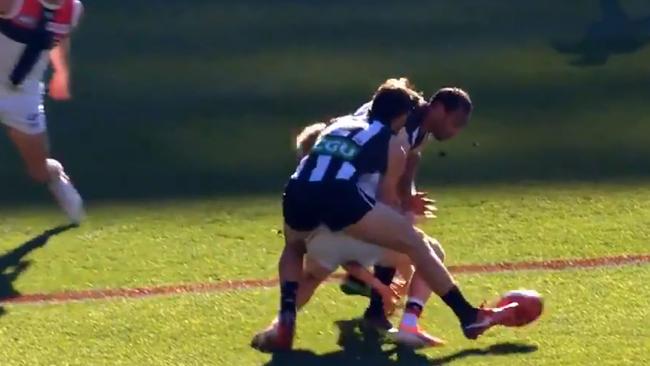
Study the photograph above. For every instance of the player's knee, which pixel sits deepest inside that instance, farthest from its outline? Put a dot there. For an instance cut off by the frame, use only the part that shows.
(437, 248)
(390, 258)
(415, 245)
(296, 246)
(317, 273)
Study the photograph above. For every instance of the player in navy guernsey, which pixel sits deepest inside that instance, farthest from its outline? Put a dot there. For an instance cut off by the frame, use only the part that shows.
(442, 118)
(323, 191)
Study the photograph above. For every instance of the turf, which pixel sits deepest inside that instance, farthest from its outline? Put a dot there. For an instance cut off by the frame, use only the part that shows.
(591, 314)
(216, 239)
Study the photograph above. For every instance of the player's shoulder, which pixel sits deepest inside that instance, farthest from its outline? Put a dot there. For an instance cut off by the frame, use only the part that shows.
(347, 122)
(363, 110)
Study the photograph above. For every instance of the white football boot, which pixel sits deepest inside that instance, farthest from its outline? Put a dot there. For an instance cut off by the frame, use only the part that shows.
(65, 193)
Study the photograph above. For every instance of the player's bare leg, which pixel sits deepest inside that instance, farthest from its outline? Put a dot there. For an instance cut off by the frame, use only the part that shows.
(386, 227)
(279, 337)
(409, 332)
(34, 150)
(275, 336)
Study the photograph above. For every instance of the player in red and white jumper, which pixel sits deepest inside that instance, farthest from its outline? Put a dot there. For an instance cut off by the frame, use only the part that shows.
(34, 33)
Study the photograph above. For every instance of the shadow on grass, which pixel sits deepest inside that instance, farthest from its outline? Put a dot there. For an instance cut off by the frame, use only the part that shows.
(365, 348)
(12, 264)
(614, 33)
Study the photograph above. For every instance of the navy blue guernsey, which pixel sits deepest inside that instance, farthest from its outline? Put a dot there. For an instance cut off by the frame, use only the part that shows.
(416, 135)
(346, 149)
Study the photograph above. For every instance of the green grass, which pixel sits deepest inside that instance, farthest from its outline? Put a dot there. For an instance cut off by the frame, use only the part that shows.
(150, 243)
(592, 315)
(187, 102)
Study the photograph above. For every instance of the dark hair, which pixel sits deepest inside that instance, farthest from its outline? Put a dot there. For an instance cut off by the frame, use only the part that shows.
(453, 99)
(390, 102)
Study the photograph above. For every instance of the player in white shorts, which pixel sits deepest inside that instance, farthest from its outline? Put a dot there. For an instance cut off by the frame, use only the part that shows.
(417, 132)
(323, 190)
(33, 33)
(327, 250)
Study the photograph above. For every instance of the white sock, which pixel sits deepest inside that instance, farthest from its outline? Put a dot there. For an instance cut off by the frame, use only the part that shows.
(55, 169)
(410, 319)
(415, 300)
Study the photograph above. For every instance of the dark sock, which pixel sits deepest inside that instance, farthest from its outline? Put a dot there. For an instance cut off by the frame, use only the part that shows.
(351, 278)
(413, 308)
(288, 291)
(384, 275)
(465, 312)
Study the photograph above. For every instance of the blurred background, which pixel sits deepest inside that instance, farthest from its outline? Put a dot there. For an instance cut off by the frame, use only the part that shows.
(201, 97)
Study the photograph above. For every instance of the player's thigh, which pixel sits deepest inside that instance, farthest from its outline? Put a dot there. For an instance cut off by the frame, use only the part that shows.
(433, 243)
(437, 247)
(24, 113)
(296, 239)
(336, 249)
(386, 227)
(317, 269)
(392, 258)
(325, 248)
(299, 210)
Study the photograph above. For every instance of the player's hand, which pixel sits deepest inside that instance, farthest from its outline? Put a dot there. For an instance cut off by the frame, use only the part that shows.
(60, 86)
(389, 298)
(400, 287)
(422, 206)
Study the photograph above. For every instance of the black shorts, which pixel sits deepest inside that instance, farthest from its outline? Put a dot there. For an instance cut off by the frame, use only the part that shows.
(339, 204)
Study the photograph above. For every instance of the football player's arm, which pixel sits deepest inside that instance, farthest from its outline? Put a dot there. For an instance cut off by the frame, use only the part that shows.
(60, 58)
(388, 187)
(5, 8)
(60, 83)
(406, 187)
(389, 296)
(60, 54)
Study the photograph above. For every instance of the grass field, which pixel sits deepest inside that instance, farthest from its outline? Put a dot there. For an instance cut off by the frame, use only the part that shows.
(179, 138)
(592, 316)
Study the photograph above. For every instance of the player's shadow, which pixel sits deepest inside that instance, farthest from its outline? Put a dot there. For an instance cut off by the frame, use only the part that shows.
(12, 264)
(360, 347)
(614, 33)
(408, 357)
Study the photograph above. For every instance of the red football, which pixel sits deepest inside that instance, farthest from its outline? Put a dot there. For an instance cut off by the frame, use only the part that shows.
(530, 306)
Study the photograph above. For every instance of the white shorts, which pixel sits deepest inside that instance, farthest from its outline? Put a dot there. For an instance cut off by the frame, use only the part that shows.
(331, 250)
(23, 111)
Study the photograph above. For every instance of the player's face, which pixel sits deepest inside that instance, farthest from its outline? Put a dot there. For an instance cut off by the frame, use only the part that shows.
(450, 124)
